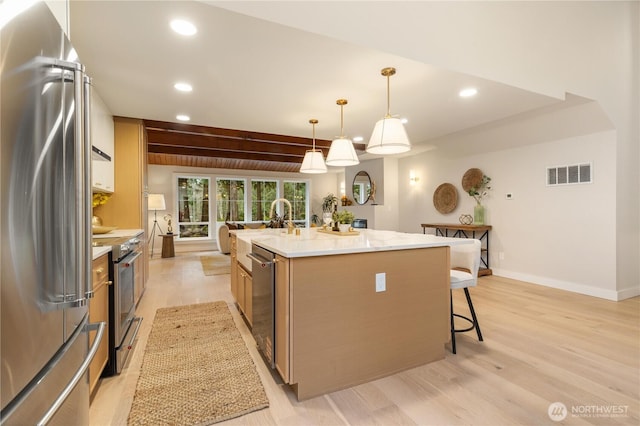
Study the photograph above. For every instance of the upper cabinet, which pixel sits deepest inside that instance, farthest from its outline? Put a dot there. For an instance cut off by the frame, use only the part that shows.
(102, 179)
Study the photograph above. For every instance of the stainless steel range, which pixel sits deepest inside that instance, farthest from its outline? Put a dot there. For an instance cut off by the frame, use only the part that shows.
(125, 270)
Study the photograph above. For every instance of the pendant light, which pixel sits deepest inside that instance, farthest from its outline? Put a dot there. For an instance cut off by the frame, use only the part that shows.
(342, 153)
(313, 161)
(389, 136)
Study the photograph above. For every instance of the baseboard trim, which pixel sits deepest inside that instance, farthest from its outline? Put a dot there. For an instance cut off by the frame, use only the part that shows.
(614, 295)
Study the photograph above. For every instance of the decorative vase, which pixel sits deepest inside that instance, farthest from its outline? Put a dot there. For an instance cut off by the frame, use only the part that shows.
(478, 214)
(344, 227)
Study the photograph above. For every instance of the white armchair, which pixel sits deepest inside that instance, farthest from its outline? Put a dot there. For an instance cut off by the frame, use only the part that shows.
(465, 263)
(224, 243)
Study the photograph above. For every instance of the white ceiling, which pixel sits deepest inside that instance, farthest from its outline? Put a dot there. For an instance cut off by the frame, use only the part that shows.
(256, 75)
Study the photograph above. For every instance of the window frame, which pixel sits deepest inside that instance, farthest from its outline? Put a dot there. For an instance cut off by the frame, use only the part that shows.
(177, 200)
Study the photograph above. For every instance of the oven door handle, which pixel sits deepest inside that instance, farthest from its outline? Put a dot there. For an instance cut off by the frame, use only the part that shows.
(128, 261)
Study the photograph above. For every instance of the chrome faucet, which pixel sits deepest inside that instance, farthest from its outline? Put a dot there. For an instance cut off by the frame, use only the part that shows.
(290, 227)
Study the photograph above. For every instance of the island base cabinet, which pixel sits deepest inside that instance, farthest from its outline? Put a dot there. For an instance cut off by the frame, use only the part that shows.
(282, 324)
(242, 290)
(342, 332)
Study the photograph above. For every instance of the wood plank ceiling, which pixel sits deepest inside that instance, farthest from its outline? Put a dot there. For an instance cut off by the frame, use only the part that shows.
(180, 144)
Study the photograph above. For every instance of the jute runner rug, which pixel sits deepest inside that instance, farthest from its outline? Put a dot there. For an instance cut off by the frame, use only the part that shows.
(216, 264)
(196, 369)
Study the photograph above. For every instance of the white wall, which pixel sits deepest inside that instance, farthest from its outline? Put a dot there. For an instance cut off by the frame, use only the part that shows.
(161, 180)
(562, 236)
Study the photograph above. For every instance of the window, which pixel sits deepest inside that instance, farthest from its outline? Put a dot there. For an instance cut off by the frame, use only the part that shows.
(230, 200)
(296, 193)
(193, 207)
(263, 192)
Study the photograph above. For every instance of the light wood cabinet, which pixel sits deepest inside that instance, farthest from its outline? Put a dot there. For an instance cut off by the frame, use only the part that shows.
(335, 329)
(234, 268)
(241, 284)
(245, 292)
(245, 289)
(282, 335)
(127, 207)
(99, 312)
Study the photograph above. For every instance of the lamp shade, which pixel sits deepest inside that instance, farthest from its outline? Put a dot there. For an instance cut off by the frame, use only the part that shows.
(313, 162)
(156, 202)
(388, 137)
(342, 153)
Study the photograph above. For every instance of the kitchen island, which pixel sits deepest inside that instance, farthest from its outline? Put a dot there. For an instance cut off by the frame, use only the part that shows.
(351, 309)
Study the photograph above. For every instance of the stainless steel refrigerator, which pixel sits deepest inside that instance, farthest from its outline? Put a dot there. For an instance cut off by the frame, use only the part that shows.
(45, 160)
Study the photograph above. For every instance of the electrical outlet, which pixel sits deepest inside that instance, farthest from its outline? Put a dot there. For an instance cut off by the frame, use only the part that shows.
(501, 255)
(381, 282)
(509, 196)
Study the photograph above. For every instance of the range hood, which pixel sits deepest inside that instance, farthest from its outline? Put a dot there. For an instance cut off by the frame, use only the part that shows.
(97, 154)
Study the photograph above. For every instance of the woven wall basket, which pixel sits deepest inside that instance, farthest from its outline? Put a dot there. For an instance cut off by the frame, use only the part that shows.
(472, 178)
(445, 198)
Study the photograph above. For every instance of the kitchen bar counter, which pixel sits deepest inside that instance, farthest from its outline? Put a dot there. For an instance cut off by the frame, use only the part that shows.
(310, 242)
(351, 309)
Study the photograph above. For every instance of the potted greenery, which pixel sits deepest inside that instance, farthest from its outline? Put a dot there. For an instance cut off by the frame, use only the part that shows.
(328, 207)
(328, 203)
(344, 218)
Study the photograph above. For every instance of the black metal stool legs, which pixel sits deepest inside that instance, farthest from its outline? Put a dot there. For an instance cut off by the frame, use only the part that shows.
(473, 320)
(473, 313)
(453, 329)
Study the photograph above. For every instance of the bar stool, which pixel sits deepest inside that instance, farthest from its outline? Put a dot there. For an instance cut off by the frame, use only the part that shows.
(467, 257)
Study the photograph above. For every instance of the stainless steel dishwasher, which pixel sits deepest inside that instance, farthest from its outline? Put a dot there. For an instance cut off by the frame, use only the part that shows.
(263, 275)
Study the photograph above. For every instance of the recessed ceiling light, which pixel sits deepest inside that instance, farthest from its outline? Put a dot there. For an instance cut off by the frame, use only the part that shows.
(183, 87)
(183, 27)
(469, 92)
(183, 117)
(358, 139)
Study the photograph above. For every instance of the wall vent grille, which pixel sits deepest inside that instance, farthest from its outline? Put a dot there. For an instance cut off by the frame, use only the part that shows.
(569, 175)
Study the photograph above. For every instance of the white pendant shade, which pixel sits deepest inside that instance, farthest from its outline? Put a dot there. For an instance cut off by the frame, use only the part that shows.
(313, 162)
(342, 153)
(388, 137)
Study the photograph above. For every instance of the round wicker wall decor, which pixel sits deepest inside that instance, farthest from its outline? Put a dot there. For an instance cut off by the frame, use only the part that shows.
(445, 198)
(472, 178)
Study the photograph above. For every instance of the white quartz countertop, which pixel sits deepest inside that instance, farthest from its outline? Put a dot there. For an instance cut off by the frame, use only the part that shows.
(117, 233)
(310, 242)
(99, 251)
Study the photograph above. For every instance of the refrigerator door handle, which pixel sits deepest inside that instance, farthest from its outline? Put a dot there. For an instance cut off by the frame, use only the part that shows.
(100, 326)
(87, 165)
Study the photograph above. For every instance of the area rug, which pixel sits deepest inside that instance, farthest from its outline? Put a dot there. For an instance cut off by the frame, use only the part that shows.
(196, 369)
(216, 264)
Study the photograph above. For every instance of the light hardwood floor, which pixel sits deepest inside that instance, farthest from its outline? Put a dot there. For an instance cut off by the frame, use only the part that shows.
(541, 346)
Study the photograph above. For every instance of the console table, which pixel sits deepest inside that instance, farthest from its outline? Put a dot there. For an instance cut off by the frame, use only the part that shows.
(466, 231)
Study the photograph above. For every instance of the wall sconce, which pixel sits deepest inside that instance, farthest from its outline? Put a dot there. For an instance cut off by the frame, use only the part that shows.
(413, 179)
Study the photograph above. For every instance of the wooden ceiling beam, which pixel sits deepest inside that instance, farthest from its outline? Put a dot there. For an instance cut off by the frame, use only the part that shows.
(201, 146)
(197, 152)
(163, 138)
(188, 130)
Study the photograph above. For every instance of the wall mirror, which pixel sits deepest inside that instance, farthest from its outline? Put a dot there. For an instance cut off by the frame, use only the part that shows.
(361, 187)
